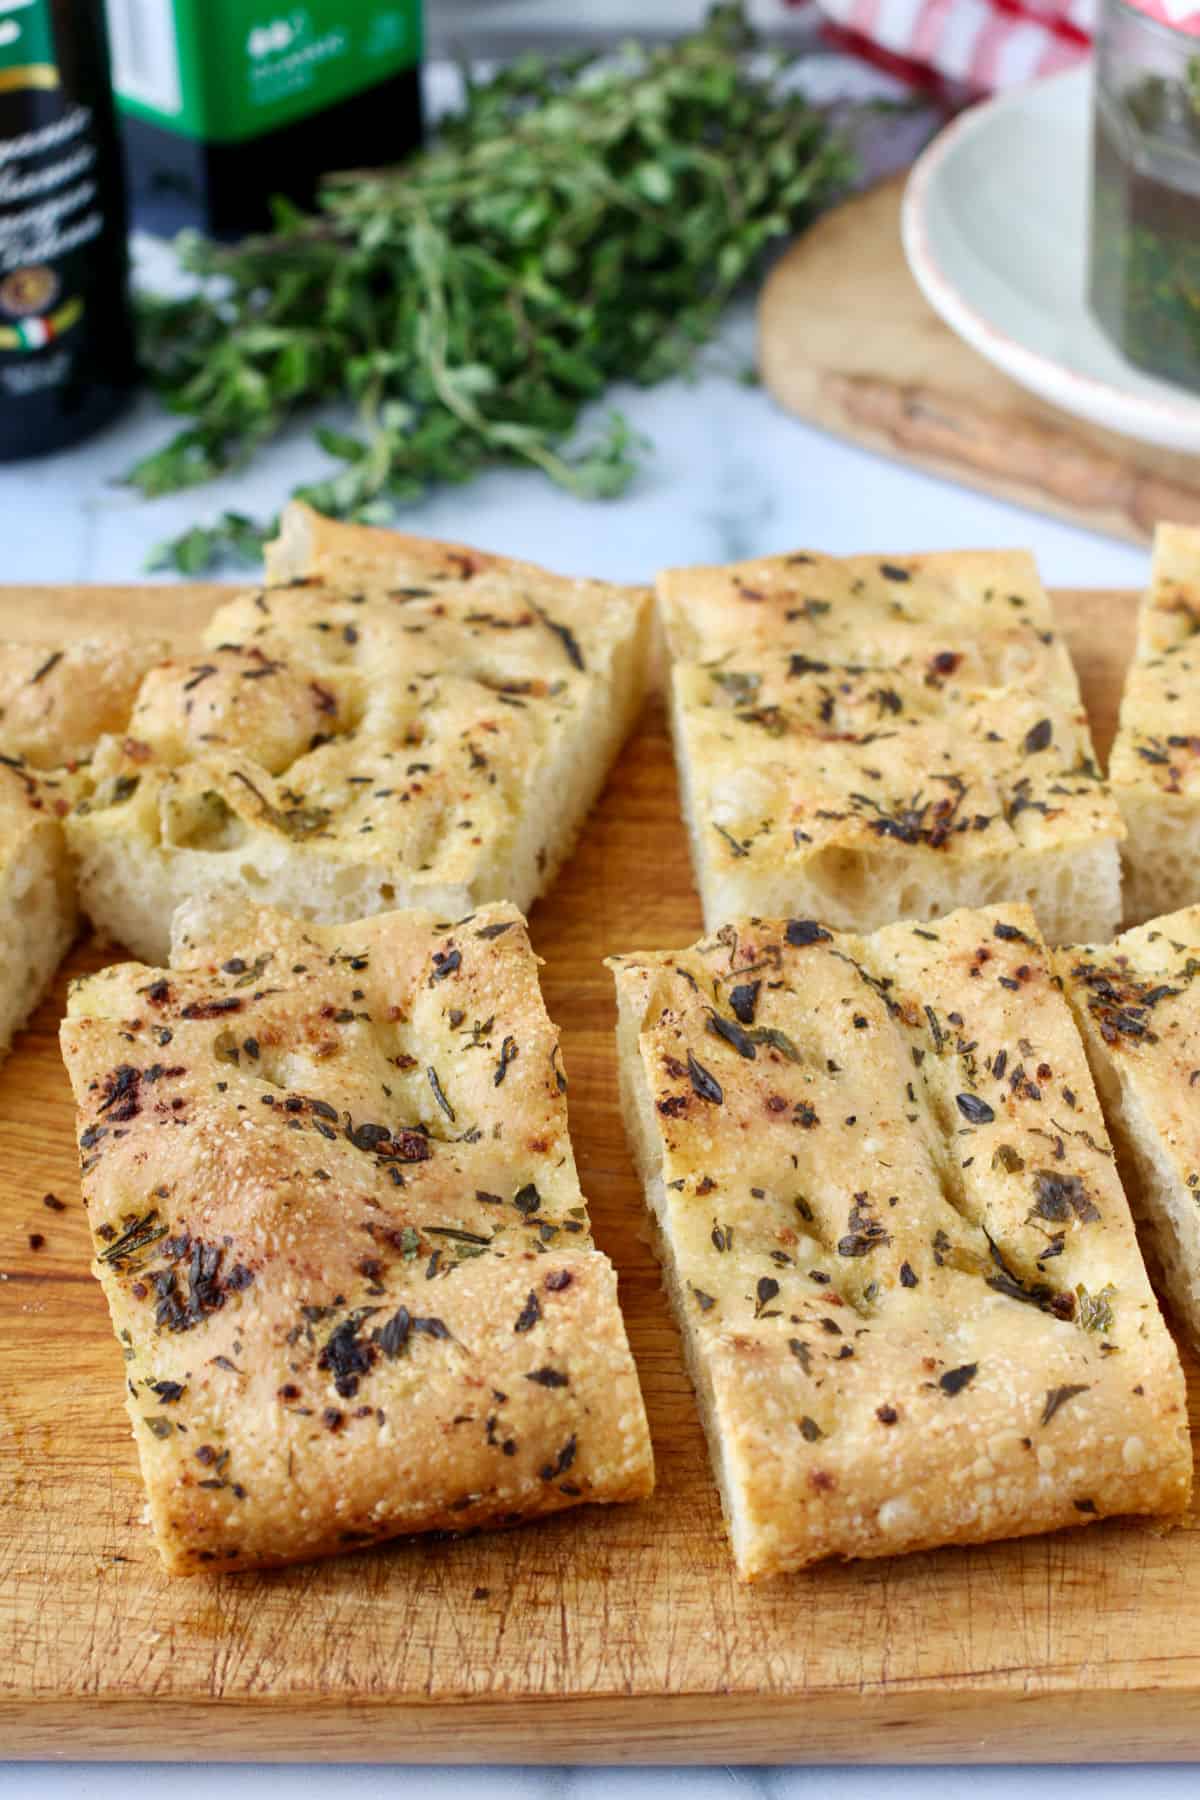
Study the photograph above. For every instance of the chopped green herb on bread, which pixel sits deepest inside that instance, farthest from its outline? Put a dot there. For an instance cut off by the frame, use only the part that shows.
(891, 1224)
(394, 722)
(338, 1224)
(868, 740)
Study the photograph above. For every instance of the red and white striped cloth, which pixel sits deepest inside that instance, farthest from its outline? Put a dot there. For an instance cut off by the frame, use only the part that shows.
(983, 44)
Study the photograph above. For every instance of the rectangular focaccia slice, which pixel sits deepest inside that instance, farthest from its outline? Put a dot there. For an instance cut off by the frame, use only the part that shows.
(54, 704)
(866, 741)
(37, 893)
(396, 722)
(890, 1220)
(1154, 769)
(1138, 1008)
(339, 1228)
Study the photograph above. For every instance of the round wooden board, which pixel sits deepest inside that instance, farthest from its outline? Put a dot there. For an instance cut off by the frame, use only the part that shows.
(847, 341)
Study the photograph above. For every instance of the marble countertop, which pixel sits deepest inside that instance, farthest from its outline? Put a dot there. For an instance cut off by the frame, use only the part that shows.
(730, 475)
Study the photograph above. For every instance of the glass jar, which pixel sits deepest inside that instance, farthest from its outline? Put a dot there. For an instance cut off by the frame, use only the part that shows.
(1144, 277)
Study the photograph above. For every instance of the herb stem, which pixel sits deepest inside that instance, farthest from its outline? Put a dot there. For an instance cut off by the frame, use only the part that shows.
(580, 220)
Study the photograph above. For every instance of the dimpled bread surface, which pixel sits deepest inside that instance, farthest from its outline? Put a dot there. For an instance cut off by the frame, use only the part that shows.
(390, 722)
(891, 1223)
(863, 739)
(338, 1224)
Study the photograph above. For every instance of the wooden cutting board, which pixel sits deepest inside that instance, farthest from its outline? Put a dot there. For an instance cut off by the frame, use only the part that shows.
(605, 1634)
(847, 341)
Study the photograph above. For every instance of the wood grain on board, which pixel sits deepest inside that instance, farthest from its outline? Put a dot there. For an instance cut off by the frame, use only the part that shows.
(609, 1635)
(847, 341)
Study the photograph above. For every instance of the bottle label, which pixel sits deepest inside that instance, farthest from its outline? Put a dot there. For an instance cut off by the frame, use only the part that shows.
(229, 70)
(50, 210)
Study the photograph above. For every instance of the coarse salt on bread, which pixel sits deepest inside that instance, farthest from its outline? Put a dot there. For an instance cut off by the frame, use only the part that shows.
(892, 1227)
(866, 740)
(339, 1227)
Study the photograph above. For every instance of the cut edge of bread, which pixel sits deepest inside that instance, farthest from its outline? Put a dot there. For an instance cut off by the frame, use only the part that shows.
(38, 915)
(1074, 890)
(638, 1115)
(1160, 858)
(1164, 1209)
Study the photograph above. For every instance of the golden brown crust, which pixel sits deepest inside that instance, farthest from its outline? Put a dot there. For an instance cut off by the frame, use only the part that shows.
(987, 607)
(37, 891)
(340, 1231)
(55, 703)
(425, 726)
(1138, 1007)
(313, 547)
(1155, 764)
(1157, 746)
(900, 1249)
(870, 739)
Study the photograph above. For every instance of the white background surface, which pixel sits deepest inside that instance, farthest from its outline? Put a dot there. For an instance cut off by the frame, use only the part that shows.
(78, 1781)
(731, 476)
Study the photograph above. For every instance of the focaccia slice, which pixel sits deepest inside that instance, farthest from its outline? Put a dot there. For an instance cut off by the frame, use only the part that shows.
(1138, 1007)
(54, 705)
(398, 723)
(1155, 764)
(868, 740)
(37, 893)
(889, 1217)
(339, 1228)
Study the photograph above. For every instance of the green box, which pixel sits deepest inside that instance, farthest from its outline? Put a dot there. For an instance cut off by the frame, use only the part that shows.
(228, 71)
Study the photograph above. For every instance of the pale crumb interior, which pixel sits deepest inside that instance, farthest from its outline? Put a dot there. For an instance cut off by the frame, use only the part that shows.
(131, 899)
(637, 1111)
(1160, 857)
(1165, 1210)
(37, 907)
(1075, 891)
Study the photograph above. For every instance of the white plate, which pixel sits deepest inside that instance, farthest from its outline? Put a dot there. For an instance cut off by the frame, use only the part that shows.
(995, 227)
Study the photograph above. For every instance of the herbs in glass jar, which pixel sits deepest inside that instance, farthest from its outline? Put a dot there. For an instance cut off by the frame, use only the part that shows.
(1145, 232)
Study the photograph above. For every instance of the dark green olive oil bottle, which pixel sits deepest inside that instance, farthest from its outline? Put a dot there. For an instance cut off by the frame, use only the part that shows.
(227, 103)
(66, 338)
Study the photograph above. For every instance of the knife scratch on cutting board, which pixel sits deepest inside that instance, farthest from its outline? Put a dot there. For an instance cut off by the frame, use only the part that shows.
(923, 422)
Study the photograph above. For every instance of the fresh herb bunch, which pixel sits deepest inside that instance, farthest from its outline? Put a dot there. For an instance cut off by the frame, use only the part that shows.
(580, 220)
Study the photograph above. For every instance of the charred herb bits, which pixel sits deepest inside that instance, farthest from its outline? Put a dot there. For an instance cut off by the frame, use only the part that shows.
(905, 1249)
(358, 1262)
